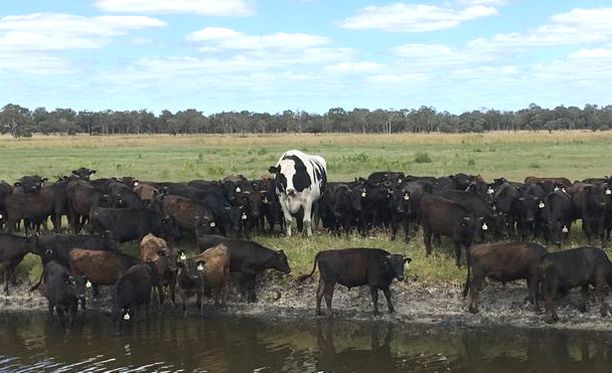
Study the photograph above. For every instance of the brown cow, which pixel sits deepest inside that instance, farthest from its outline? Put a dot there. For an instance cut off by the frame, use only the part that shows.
(154, 249)
(100, 267)
(215, 270)
(146, 192)
(504, 262)
(552, 180)
(185, 211)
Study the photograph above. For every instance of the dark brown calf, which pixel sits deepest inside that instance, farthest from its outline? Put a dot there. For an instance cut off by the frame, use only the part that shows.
(100, 267)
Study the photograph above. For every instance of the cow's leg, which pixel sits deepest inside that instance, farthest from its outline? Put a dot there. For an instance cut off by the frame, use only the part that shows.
(199, 302)
(288, 220)
(160, 295)
(329, 295)
(50, 309)
(475, 286)
(601, 294)
(427, 238)
(532, 284)
(406, 229)
(6, 281)
(308, 219)
(173, 290)
(387, 293)
(320, 293)
(250, 287)
(457, 254)
(374, 293)
(551, 315)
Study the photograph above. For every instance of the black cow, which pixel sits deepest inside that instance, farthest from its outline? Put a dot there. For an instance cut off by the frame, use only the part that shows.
(388, 178)
(339, 207)
(5, 190)
(248, 258)
(12, 251)
(504, 262)
(357, 267)
(441, 216)
(190, 282)
(133, 224)
(580, 267)
(531, 204)
(558, 215)
(132, 291)
(82, 197)
(505, 198)
(375, 202)
(30, 184)
(479, 207)
(401, 211)
(83, 173)
(63, 291)
(589, 204)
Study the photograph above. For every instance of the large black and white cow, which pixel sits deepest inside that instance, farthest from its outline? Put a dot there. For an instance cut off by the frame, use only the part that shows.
(299, 181)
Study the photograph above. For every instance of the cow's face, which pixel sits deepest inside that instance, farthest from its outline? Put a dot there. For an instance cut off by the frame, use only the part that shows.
(355, 199)
(529, 208)
(75, 287)
(83, 173)
(279, 262)
(205, 225)
(401, 201)
(31, 184)
(396, 264)
(170, 229)
(291, 176)
(189, 271)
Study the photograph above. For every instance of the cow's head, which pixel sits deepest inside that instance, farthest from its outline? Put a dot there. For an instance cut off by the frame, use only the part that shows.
(290, 176)
(31, 184)
(278, 261)
(396, 263)
(83, 173)
(401, 201)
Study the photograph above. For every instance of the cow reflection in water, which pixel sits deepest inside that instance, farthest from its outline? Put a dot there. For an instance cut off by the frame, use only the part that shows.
(356, 359)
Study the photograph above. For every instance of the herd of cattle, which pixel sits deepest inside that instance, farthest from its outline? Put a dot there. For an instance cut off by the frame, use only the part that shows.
(222, 215)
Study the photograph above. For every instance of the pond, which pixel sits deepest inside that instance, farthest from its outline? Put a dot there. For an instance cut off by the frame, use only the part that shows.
(32, 342)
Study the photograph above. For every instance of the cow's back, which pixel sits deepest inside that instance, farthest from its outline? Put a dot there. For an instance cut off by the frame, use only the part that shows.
(100, 267)
(349, 267)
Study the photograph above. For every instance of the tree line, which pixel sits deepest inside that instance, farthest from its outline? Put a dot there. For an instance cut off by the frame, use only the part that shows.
(20, 121)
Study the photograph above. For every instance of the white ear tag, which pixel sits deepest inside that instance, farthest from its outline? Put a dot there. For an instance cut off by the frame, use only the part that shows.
(485, 226)
(136, 183)
(1, 216)
(243, 216)
(556, 188)
(238, 190)
(494, 208)
(490, 191)
(183, 257)
(541, 205)
(406, 197)
(565, 230)
(200, 267)
(363, 194)
(399, 181)
(213, 224)
(88, 284)
(126, 317)
(608, 191)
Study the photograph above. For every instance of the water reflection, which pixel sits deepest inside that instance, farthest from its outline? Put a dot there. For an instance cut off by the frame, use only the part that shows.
(32, 342)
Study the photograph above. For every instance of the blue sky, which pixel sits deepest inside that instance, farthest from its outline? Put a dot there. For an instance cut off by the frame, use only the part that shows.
(264, 55)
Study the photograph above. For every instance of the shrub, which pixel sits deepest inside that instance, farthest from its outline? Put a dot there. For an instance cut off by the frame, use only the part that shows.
(422, 158)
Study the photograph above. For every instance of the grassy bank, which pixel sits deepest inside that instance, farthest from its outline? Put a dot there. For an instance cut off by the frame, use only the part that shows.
(574, 154)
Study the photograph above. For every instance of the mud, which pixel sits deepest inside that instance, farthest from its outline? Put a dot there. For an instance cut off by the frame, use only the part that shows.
(280, 297)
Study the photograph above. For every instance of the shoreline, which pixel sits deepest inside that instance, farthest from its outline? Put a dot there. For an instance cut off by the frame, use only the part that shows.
(439, 305)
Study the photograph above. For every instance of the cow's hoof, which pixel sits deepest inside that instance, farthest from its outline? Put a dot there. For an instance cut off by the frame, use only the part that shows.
(473, 310)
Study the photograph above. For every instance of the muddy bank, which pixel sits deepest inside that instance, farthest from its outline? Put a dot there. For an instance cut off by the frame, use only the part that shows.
(438, 304)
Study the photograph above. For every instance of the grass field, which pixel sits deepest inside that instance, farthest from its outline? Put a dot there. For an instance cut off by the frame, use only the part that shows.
(573, 154)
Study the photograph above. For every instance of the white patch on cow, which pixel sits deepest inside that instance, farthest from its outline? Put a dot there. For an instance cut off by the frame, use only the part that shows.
(556, 188)
(565, 230)
(399, 181)
(541, 205)
(213, 224)
(243, 216)
(608, 191)
(238, 190)
(183, 257)
(88, 284)
(200, 267)
(490, 191)
(126, 317)
(265, 200)
(485, 226)
(406, 197)
(363, 194)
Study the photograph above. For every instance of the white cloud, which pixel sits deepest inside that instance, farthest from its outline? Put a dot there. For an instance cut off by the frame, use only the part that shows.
(56, 31)
(225, 38)
(200, 7)
(401, 17)
(594, 53)
(578, 26)
(484, 2)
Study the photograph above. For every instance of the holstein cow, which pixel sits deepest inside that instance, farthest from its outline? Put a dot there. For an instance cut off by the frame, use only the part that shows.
(299, 180)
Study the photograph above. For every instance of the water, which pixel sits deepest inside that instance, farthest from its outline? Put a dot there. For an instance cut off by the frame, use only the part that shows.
(30, 342)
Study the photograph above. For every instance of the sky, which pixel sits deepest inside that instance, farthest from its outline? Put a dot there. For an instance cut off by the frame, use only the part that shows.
(311, 55)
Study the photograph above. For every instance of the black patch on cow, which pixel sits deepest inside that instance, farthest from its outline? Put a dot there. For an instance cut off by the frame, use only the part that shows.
(319, 173)
(301, 179)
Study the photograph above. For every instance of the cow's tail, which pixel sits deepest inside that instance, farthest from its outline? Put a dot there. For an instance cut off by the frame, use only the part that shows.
(466, 287)
(314, 267)
(37, 285)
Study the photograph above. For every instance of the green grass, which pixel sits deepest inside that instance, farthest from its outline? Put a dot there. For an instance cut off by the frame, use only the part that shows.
(573, 154)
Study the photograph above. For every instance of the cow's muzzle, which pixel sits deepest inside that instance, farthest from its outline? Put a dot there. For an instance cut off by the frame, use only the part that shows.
(291, 192)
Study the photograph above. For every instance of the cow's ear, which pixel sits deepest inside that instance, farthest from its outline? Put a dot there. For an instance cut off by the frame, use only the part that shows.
(280, 253)
(74, 172)
(91, 172)
(273, 170)
(407, 260)
(17, 184)
(44, 179)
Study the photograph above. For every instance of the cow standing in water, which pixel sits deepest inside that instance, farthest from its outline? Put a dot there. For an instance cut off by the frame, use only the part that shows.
(299, 180)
